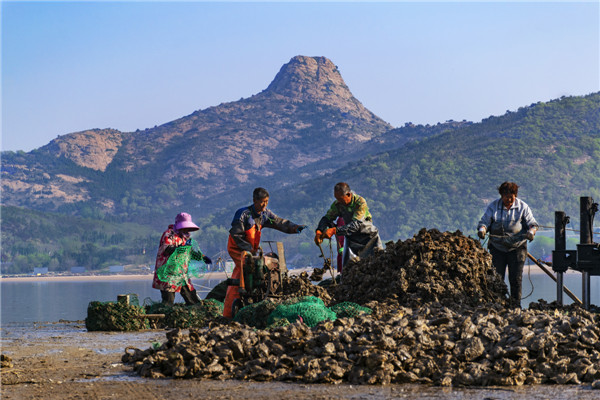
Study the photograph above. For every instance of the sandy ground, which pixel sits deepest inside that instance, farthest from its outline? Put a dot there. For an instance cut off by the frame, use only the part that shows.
(64, 361)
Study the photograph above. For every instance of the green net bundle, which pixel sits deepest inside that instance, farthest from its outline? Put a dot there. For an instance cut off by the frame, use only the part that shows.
(256, 314)
(186, 262)
(311, 310)
(184, 316)
(115, 316)
(348, 309)
(268, 313)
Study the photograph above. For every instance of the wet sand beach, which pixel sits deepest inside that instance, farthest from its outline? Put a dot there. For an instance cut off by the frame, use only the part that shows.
(64, 361)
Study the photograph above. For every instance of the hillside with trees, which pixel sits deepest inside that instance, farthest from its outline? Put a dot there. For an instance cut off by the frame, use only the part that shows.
(41, 239)
(552, 150)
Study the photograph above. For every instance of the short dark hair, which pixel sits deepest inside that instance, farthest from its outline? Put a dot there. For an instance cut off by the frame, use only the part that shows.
(260, 193)
(341, 187)
(508, 188)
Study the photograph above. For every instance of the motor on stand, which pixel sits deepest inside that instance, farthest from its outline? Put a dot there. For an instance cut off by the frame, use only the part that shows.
(261, 277)
(586, 259)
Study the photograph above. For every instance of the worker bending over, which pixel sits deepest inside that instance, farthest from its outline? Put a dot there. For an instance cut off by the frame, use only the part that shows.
(360, 235)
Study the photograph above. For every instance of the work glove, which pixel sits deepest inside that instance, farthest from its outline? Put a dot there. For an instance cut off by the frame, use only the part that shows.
(301, 228)
(481, 232)
(530, 234)
(206, 260)
(330, 232)
(318, 237)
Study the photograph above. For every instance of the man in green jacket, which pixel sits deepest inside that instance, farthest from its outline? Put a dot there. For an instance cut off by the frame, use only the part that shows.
(360, 235)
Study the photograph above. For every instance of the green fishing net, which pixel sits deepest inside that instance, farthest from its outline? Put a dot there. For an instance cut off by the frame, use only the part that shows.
(309, 309)
(119, 316)
(348, 309)
(186, 262)
(256, 314)
(115, 316)
(184, 316)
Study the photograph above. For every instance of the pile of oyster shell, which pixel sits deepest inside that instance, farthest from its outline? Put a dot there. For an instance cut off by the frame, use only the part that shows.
(432, 266)
(442, 321)
(300, 285)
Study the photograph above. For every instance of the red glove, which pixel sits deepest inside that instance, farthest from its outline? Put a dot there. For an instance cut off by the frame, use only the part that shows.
(330, 232)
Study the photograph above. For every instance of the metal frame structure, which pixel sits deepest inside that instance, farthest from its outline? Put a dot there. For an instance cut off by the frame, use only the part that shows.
(586, 259)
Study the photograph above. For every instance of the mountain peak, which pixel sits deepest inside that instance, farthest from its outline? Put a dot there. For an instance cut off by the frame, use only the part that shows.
(311, 78)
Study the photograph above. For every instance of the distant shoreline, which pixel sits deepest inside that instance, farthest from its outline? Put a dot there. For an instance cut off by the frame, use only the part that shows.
(57, 278)
(115, 277)
(535, 270)
(140, 277)
(82, 278)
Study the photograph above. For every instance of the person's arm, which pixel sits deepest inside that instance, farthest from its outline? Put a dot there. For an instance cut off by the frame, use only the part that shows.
(168, 244)
(528, 218)
(486, 220)
(283, 225)
(530, 222)
(238, 231)
(326, 221)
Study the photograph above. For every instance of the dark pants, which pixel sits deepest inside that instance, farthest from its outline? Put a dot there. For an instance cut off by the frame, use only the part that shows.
(514, 260)
(190, 296)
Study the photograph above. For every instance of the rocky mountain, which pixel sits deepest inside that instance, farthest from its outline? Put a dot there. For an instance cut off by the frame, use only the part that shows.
(306, 123)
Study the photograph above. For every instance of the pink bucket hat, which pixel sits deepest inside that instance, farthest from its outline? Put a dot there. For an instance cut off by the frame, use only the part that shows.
(184, 221)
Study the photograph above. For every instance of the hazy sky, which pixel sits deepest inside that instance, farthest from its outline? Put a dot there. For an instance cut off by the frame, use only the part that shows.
(71, 66)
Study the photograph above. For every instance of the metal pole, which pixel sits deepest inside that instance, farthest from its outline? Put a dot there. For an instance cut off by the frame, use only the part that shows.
(585, 237)
(585, 213)
(585, 289)
(559, 288)
(560, 243)
(560, 236)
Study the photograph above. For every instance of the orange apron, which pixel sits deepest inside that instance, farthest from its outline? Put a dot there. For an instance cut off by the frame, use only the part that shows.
(233, 292)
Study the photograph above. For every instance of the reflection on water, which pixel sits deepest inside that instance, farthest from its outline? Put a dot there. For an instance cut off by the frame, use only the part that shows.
(53, 301)
(68, 300)
(545, 288)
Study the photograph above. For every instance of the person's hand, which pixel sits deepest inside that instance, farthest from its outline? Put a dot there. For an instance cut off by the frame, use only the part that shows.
(318, 237)
(530, 234)
(301, 228)
(330, 232)
(481, 232)
(206, 260)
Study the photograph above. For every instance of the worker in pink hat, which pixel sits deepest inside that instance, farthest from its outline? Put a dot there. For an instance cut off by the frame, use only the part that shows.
(176, 235)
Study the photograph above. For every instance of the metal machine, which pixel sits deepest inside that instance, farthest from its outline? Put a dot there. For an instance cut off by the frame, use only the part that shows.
(586, 259)
(261, 277)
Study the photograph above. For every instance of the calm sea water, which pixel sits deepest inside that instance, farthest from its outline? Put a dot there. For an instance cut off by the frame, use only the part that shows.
(37, 301)
(52, 301)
